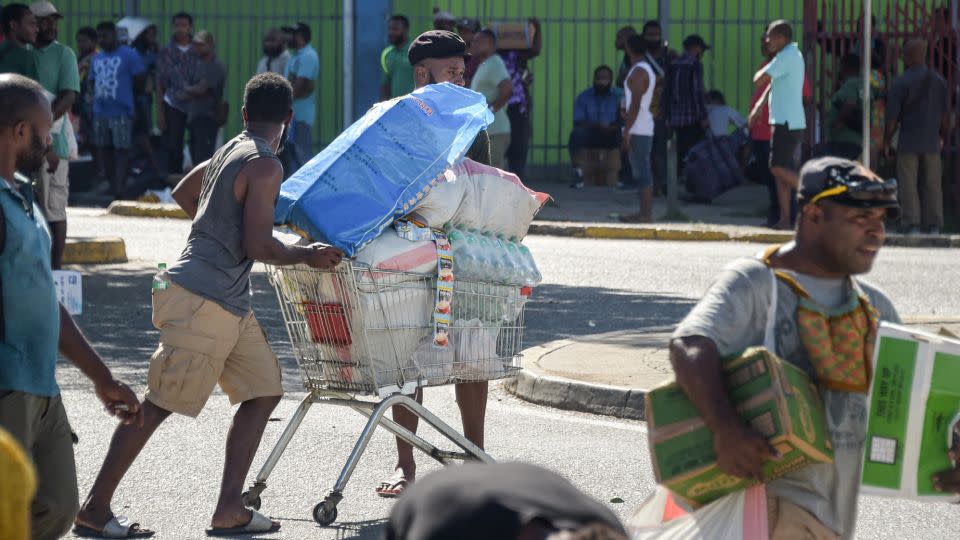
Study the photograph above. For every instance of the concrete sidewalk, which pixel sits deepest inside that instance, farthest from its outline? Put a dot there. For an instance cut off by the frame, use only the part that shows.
(744, 206)
(593, 212)
(611, 373)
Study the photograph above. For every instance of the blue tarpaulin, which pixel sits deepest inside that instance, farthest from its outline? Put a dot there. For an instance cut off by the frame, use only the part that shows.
(382, 166)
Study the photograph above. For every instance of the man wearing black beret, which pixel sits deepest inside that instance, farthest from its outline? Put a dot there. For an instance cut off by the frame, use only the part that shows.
(439, 56)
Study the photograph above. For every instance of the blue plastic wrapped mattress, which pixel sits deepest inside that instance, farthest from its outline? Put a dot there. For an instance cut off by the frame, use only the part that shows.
(381, 166)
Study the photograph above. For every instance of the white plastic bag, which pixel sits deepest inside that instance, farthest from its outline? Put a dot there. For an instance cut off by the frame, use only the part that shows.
(738, 516)
(476, 351)
(482, 198)
(434, 363)
(443, 201)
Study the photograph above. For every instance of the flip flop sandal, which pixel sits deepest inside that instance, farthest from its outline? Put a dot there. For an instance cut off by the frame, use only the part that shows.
(258, 524)
(392, 488)
(117, 527)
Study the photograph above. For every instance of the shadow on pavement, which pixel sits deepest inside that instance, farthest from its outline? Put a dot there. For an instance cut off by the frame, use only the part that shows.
(558, 311)
(361, 530)
(117, 312)
(116, 319)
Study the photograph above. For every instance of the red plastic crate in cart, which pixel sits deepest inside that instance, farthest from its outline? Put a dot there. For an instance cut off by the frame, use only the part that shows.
(328, 323)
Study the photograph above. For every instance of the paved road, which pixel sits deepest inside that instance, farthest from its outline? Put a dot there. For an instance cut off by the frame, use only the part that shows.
(592, 286)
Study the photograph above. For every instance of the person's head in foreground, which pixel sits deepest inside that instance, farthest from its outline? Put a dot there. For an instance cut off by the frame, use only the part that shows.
(499, 501)
(25, 122)
(843, 207)
(268, 107)
(438, 56)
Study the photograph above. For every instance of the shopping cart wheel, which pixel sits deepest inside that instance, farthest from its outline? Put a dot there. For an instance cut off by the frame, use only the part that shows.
(325, 513)
(250, 501)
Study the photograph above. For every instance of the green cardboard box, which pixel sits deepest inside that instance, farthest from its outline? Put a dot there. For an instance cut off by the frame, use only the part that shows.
(914, 413)
(774, 397)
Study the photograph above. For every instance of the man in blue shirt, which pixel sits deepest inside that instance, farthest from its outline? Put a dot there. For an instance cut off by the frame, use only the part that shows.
(115, 71)
(33, 326)
(784, 75)
(596, 119)
(302, 71)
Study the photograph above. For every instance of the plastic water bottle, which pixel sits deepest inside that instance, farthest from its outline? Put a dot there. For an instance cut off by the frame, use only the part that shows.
(485, 263)
(459, 252)
(474, 269)
(517, 272)
(498, 260)
(532, 276)
(158, 283)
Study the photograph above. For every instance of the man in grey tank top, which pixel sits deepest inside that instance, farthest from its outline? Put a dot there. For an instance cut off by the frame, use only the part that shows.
(208, 333)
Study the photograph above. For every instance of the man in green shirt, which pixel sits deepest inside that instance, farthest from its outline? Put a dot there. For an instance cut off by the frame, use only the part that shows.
(58, 74)
(397, 71)
(845, 112)
(19, 30)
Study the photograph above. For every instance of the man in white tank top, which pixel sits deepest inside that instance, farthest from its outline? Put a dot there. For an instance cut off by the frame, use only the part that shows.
(638, 126)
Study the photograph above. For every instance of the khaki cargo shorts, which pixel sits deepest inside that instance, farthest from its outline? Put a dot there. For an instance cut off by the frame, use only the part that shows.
(788, 521)
(202, 344)
(55, 191)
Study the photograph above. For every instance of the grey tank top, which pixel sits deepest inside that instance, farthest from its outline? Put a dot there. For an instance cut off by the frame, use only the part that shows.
(215, 264)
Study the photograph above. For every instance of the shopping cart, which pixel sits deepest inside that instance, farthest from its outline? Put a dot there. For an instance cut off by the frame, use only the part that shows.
(363, 339)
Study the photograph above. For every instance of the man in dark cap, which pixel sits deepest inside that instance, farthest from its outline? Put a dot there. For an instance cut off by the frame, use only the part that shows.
(685, 108)
(437, 56)
(440, 56)
(504, 501)
(780, 299)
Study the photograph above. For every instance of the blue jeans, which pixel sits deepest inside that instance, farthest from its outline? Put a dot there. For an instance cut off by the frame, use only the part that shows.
(298, 148)
(640, 148)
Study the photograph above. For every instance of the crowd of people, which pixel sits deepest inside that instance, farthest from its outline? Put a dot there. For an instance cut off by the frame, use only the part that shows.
(121, 90)
(771, 142)
(500, 74)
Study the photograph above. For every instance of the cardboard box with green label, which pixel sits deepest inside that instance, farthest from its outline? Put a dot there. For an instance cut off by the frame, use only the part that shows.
(914, 413)
(774, 397)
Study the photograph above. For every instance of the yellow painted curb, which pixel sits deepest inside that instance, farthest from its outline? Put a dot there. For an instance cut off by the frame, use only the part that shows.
(619, 233)
(691, 235)
(763, 238)
(150, 210)
(94, 251)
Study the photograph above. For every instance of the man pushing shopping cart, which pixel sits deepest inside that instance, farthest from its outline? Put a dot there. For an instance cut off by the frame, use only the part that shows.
(208, 333)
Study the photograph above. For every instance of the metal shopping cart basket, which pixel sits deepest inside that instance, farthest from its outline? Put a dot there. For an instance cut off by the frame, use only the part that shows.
(363, 338)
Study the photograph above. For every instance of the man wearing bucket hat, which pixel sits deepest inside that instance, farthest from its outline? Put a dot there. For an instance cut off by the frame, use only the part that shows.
(438, 56)
(777, 299)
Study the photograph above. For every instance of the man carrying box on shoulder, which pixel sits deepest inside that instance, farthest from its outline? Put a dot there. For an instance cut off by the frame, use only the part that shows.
(804, 304)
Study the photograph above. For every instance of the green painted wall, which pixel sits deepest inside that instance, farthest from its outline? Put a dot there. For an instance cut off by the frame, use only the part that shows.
(578, 36)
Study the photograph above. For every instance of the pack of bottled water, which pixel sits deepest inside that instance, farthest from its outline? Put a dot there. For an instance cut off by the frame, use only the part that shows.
(493, 259)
